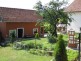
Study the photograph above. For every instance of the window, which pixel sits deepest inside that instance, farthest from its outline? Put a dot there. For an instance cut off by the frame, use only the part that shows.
(71, 38)
(35, 30)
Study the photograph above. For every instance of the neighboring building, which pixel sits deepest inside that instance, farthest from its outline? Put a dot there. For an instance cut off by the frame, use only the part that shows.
(75, 13)
(21, 21)
(62, 28)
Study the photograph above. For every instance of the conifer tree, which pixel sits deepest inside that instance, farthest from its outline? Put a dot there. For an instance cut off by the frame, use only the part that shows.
(60, 50)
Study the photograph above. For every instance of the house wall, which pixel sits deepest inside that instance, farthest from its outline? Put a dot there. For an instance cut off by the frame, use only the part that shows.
(28, 27)
(3, 28)
(76, 23)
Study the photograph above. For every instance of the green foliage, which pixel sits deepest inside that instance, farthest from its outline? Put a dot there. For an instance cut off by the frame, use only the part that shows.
(60, 50)
(41, 52)
(48, 48)
(46, 27)
(12, 36)
(51, 39)
(30, 45)
(17, 45)
(52, 14)
(36, 36)
(9, 54)
(37, 52)
(38, 6)
(72, 55)
(42, 44)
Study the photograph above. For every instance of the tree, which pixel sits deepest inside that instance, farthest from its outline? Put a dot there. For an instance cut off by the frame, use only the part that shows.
(60, 50)
(52, 13)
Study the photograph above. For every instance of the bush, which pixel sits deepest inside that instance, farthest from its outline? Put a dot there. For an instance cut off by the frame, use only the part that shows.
(37, 52)
(39, 46)
(72, 55)
(12, 36)
(21, 45)
(41, 52)
(51, 39)
(36, 36)
(30, 45)
(17, 45)
(45, 48)
(60, 50)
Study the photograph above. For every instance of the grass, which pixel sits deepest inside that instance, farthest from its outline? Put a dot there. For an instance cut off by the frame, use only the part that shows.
(43, 41)
(9, 54)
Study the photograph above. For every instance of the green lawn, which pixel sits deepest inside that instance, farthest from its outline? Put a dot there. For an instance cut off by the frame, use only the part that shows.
(43, 41)
(9, 54)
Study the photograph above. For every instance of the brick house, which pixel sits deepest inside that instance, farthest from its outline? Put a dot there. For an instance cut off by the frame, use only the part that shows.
(22, 21)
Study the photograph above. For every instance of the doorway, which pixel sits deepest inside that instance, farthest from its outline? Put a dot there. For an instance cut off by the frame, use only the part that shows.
(20, 32)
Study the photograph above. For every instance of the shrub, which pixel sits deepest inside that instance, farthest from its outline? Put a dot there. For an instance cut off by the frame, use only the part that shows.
(12, 36)
(39, 46)
(38, 52)
(36, 36)
(41, 52)
(30, 45)
(60, 51)
(72, 55)
(17, 45)
(21, 45)
(45, 48)
(51, 39)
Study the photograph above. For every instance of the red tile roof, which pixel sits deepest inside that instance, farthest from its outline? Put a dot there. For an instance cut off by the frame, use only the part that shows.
(18, 15)
(75, 6)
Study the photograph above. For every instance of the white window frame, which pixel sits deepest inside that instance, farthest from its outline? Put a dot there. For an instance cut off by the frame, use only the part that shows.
(34, 29)
(23, 32)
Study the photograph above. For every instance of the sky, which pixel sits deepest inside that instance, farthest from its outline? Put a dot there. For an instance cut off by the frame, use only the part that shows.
(24, 4)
